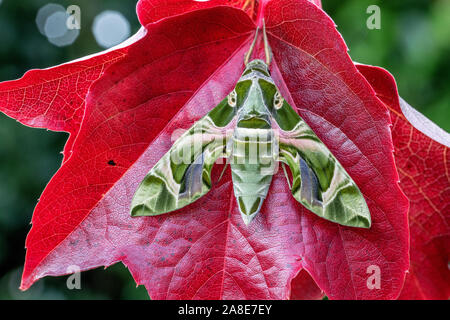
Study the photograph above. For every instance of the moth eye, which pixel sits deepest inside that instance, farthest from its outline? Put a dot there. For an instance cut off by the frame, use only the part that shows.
(278, 101)
(232, 98)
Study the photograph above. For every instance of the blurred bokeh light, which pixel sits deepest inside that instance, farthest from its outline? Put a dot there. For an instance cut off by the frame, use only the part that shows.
(110, 28)
(51, 21)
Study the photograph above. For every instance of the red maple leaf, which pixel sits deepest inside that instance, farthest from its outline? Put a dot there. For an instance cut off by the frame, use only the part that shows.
(55, 98)
(423, 161)
(184, 65)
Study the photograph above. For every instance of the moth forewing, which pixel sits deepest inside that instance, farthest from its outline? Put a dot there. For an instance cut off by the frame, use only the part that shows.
(183, 174)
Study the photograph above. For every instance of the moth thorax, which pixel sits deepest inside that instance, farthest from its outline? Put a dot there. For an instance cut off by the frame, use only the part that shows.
(254, 147)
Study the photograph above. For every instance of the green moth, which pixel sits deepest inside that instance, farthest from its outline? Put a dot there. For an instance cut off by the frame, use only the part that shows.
(254, 129)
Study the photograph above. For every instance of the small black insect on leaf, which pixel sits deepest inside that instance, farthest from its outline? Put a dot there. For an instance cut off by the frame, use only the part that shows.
(111, 163)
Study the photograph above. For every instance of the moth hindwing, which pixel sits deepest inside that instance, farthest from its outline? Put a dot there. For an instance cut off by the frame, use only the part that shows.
(254, 128)
(319, 181)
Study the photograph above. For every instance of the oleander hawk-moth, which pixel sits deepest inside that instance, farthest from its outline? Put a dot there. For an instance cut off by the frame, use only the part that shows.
(253, 128)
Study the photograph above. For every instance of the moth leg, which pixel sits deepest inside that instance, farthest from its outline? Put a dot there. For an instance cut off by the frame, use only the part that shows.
(283, 165)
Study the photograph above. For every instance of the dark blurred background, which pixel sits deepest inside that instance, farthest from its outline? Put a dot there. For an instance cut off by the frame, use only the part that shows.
(413, 44)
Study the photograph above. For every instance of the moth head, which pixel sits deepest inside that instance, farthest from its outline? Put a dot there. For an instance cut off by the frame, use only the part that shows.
(257, 65)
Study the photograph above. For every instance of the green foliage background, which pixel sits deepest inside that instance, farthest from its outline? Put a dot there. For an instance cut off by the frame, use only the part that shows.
(413, 44)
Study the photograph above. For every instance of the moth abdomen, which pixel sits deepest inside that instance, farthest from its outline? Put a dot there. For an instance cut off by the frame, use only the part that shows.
(253, 163)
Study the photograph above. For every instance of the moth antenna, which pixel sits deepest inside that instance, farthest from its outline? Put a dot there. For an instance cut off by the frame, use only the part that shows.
(266, 46)
(250, 51)
(223, 171)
